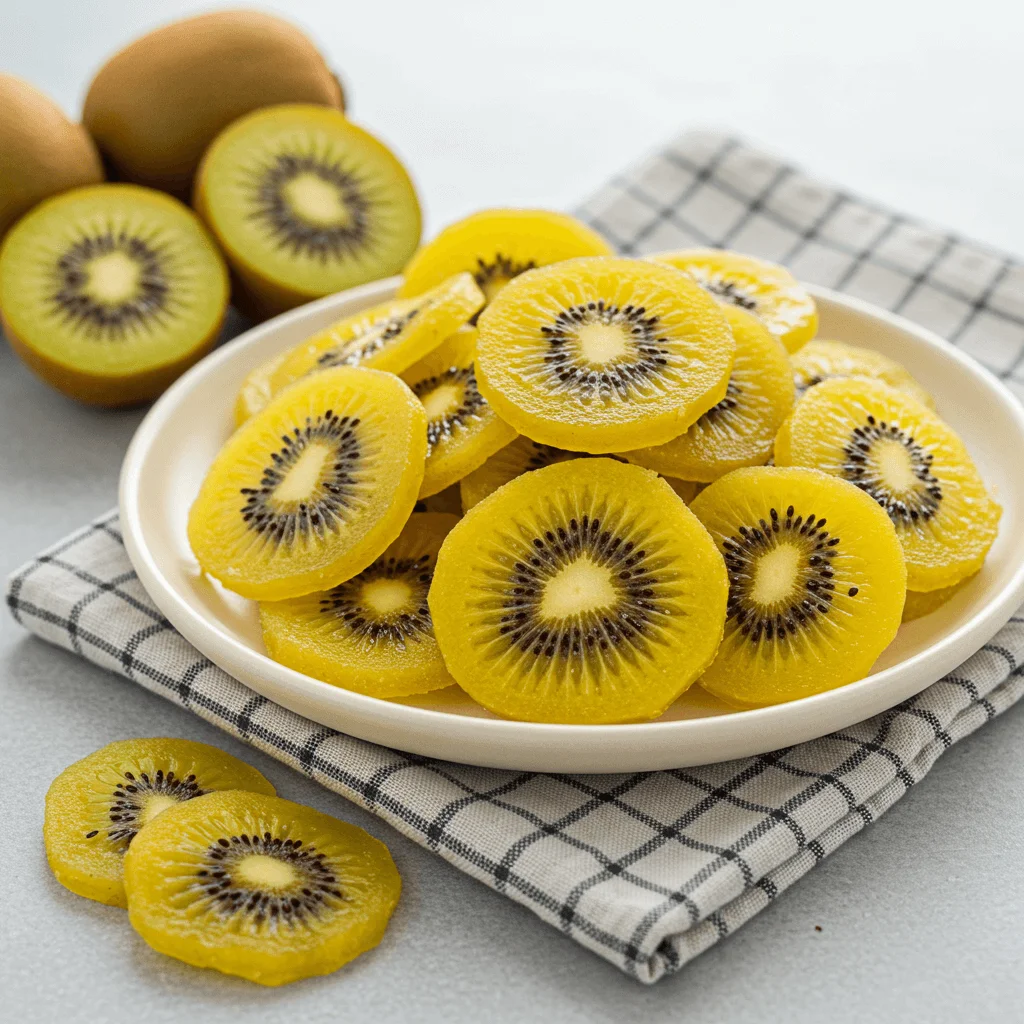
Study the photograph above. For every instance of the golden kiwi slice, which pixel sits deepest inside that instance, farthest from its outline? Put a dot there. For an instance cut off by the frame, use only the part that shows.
(908, 460)
(584, 592)
(305, 204)
(921, 603)
(312, 489)
(602, 354)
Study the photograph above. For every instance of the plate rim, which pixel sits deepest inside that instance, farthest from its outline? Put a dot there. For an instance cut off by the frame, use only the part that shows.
(224, 650)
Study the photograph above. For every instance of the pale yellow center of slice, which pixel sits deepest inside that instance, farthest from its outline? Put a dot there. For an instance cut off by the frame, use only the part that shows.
(265, 872)
(303, 478)
(442, 401)
(154, 805)
(316, 201)
(579, 587)
(602, 343)
(775, 575)
(894, 466)
(113, 278)
(386, 596)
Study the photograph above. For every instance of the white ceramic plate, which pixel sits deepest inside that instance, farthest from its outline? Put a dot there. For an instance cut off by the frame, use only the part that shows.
(179, 438)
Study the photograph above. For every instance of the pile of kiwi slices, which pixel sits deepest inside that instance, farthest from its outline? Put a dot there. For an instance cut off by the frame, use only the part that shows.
(574, 485)
(214, 868)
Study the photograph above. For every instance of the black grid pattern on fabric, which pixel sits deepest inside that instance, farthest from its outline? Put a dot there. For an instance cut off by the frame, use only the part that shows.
(646, 869)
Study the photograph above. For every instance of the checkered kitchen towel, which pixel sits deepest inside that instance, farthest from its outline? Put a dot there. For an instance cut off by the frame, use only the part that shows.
(645, 869)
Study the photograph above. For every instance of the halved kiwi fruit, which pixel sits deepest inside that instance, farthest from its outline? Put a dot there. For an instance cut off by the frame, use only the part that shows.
(96, 807)
(305, 203)
(769, 291)
(312, 489)
(110, 292)
(390, 336)
(740, 430)
(497, 245)
(910, 462)
(372, 633)
(463, 431)
(603, 354)
(822, 360)
(816, 583)
(584, 592)
(259, 887)
(924, 603)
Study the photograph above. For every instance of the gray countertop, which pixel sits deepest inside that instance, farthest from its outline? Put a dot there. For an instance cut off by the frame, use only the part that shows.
(920, 914)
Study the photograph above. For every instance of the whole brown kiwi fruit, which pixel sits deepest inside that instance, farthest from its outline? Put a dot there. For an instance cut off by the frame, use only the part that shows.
(42, 152)
(155, 106)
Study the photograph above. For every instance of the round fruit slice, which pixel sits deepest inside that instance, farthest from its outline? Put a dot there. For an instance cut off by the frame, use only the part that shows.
(96, 807)
(305, 204)
(373, 633)
(463, 431)
(391, 336)
(740, 430)
(822, 360)
(816, 583)
(110, 292)
(603, 354)
(924, 603)
(497, 245)
(584, 592)
(256, 390)
(910, 462)
(765, 289)
(259, 887)
(311, 490)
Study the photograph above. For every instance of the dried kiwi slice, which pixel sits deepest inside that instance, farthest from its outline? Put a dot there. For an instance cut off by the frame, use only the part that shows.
(924, 603)
(822, 360)
(497, 245)
(96, 807)
(603, 354)
(740, 430)
(372, 633)
(312, 489)
(305, 204)
(765, 289)
(816, 583)
(259, 887)
(910, 461)
(390, 336)
(110, 292)
(584, 592)
(463, 431)
(257, 390)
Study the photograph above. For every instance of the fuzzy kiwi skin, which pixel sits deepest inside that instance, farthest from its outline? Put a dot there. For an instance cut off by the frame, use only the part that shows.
(155, 106)
(43, 152)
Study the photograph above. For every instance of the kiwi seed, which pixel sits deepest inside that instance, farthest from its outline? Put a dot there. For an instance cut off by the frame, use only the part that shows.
(464, 379)
(128, 802)
(357, 350)
(728, 291)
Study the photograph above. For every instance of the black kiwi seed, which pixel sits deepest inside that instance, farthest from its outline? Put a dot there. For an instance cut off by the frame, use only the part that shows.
(647, 349)
(726, 405)
(72, 300)
(372, 340)
(129, 800)
(323, 241)
(444, 426)
(730, 292)
(545, 454)
(326, 508)
(230, 894)
(501, 268)
(410, 623)
(591, 631)
(922, 501)
(815, 584)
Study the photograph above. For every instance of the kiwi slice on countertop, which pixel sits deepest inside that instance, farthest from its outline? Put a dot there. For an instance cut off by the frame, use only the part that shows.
(584, 592)
(769, 291)
(497, 245)
(110, 292)
(822, 360)
(259, 887)
(305, 204)
(372, 633)
(740, 430)
(43, 152)
(603, 354)
(96, 807)
(312, 489)
(816, 583)
(909, 461)
(463, 431)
